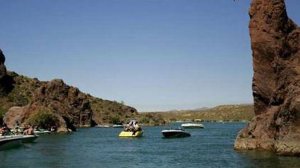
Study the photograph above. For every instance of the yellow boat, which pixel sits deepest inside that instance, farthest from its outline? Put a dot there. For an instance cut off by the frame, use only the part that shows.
(131, 134)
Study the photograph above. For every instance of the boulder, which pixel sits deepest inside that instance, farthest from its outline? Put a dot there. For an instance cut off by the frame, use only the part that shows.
(15, 115)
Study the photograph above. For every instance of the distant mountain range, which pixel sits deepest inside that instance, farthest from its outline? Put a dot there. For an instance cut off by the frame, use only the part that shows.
(242, 112)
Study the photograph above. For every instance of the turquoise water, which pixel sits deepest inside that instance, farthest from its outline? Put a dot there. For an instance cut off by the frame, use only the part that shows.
(101, 147)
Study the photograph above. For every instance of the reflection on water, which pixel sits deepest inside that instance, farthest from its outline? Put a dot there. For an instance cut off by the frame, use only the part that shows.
(268, 159)
(101, 147)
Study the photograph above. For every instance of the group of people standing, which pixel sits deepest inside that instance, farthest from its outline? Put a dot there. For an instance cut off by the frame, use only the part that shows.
(27, 130)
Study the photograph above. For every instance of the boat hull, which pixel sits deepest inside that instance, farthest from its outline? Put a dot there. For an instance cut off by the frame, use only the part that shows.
(117, 126)
(8, 142)
(191, 126)
(39, 132)
(28, 138)
(175, 134)
(131, 134)
(11, 141)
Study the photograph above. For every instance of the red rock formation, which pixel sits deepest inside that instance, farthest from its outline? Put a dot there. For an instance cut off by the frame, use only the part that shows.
(67, 101)
(276, 82)
(70, 106)
(15, 114)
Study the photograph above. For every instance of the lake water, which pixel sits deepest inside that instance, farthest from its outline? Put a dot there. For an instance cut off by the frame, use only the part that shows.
(101, 147)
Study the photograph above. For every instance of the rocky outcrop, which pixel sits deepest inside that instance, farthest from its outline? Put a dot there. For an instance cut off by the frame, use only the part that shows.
(2, 66)
(5, 81)
(66, 101)
(22, 115)
(70, 106)
(275, 43)
(15, 115)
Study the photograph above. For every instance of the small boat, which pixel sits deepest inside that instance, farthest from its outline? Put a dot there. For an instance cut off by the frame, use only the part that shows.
(132, 130)
(117, 126)
(7, 142)
(28, 138)
(102, 126)
(41, 131)
(175, 133)
(192, 125)
(10, 141)
(131, 134)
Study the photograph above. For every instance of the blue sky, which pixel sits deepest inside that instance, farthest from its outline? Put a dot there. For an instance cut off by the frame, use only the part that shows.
(151, 54)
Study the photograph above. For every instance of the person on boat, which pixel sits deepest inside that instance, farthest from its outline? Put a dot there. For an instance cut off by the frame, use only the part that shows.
(53, 128)
(17, 128)
(4, 130)
(136, 127)
(130, 126)
(29, 131)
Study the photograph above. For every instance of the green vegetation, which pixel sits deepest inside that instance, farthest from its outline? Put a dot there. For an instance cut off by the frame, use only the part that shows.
(152, 119)
(105, 111)
(2, 112)
(42, 118)
(114, 119)
(22, 92)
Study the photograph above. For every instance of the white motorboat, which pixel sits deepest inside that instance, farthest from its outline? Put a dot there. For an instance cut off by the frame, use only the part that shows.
(41, 131)
(117, 126)
(9, 141)
(102, 126)
(192, 125)
(28, 138)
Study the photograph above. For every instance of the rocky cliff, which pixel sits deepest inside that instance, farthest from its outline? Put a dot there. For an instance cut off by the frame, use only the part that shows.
(54, 103)
(5, 80)
(2, 66)
(276, 82)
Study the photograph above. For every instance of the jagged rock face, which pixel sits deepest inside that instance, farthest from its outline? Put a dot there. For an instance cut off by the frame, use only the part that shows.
(70, 106)
(20, 115)
(276, 82)
(67, 101)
